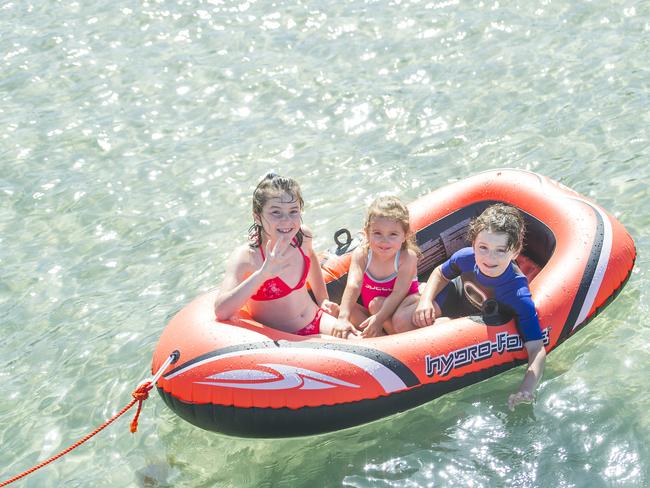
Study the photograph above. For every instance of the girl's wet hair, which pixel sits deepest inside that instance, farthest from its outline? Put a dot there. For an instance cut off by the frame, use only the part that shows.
(272, 186)
(500, 218)
(391, 207)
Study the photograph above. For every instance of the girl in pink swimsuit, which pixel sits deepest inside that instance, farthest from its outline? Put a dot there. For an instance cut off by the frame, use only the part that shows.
(260, 275)
(384, 272)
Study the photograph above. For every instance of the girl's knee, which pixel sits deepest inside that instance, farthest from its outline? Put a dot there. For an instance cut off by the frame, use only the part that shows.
(375, 305)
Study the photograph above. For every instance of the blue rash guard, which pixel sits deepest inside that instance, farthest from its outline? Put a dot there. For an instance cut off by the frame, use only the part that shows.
(497, 299)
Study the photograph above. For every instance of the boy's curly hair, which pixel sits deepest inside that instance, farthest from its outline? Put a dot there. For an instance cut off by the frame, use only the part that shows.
(503, 219)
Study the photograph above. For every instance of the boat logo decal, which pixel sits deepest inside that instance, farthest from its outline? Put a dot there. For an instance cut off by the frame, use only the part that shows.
(283, 378)
(287, 376)
(505, 342)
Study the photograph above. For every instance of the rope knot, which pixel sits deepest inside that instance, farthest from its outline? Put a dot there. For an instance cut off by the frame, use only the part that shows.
(141, 393)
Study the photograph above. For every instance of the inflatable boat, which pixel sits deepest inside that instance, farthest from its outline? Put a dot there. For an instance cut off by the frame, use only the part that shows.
(243, 378)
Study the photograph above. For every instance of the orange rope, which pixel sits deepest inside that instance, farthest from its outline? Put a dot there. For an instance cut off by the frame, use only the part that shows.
(140, 394)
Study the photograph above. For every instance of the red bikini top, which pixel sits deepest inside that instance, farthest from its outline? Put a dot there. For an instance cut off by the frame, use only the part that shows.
(275, 287)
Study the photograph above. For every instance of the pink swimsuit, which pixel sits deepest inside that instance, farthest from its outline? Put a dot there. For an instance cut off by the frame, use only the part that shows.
(372, 287)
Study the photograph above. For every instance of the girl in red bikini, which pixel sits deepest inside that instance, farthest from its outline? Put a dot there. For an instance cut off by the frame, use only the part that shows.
(384, 272)
(269, 274)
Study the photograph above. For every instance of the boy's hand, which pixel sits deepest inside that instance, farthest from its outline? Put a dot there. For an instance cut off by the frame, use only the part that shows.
(424, 314)
(519, 397)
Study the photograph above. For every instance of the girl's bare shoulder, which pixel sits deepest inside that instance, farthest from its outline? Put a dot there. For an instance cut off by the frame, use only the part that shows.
(408, 258)
(307, 238)
(244, 258)
(360, 256)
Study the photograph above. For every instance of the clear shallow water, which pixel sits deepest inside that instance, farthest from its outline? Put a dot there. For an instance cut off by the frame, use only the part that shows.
(131, 136)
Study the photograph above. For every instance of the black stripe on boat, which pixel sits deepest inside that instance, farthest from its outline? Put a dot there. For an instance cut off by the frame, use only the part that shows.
(587, 277)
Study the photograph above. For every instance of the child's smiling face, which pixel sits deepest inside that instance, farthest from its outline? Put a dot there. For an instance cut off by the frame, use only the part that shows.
(492, 253)
(281, 217)
(385, 236)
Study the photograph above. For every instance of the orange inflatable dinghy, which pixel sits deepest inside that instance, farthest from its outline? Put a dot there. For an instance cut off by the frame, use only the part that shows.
(242, 378)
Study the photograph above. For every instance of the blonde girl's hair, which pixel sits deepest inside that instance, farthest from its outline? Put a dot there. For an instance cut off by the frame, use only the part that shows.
(391, 207)
(273, 185)
(500, 218)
